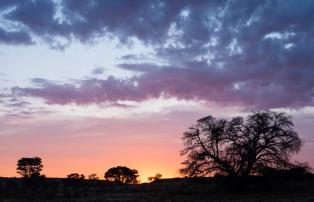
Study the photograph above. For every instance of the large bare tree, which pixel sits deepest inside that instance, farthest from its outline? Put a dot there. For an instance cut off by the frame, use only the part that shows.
(239, 147)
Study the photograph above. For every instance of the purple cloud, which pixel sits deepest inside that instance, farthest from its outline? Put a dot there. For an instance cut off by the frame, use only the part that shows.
(84, 92)
(222, 86)
(255, 53)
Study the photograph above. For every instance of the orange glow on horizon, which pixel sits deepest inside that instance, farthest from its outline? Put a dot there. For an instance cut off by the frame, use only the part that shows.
(151, 145)
(60, 169)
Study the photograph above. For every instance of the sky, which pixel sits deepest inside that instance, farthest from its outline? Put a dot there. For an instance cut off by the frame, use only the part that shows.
(91, 84)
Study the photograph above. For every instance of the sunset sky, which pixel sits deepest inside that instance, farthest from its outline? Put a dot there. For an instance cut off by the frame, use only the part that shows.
(91, 84)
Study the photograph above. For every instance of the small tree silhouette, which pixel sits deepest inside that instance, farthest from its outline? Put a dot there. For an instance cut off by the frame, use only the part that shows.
(122, 175)
(29, 167)
(93, 177)
(154, 178)
(76, 176)
(240, 147)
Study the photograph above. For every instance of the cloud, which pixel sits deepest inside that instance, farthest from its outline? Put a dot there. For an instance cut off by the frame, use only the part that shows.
(28, 113)
(88, 19)
(15, 37)
(15, 106)
(131, 57)
(98, 71)
(138, 67)
(255, 53)
(157, 21)
(86, 91)
(221, 86)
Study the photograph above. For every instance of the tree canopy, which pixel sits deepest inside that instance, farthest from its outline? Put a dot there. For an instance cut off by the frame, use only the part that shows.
(157, 176)
(239, 147)
(76, 176)
(122, 175)
(29, 167)
(93, 176)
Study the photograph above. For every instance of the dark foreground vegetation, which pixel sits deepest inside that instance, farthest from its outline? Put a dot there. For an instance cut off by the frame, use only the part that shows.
(275, 187)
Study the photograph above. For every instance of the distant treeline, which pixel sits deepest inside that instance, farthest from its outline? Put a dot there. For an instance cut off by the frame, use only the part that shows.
(30, 169)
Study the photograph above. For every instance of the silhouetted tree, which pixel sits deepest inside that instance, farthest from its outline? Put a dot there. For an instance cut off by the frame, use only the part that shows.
(122, 175)
(76, 176)
(239, 147)
(93, 177)
(154, 178)
(29, 167)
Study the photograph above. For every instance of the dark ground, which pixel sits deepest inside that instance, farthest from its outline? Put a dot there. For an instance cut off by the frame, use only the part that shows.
(167, 190)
